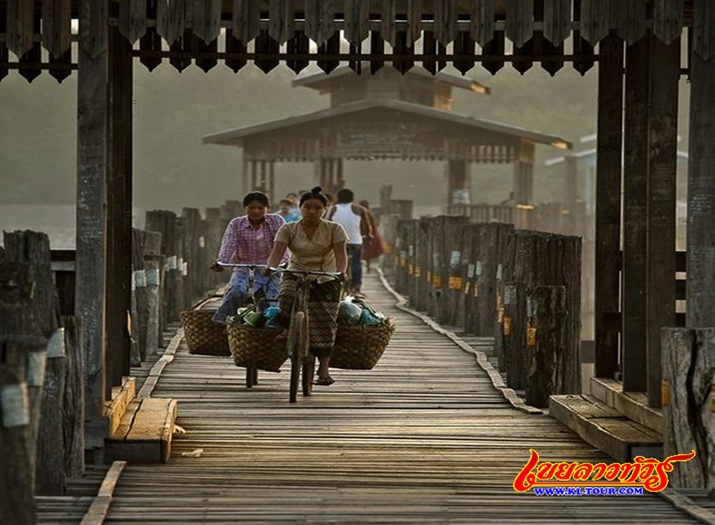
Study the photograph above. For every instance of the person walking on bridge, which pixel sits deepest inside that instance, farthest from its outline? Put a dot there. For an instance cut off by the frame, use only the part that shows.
(356, 222)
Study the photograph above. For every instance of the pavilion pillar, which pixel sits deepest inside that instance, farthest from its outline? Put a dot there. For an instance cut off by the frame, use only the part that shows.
(652, 74)
(245, 173)
(608, 204)
(271, 187)
(329, 173)
(92, 147)
(458, 182)
(700, 288)
(524, 184)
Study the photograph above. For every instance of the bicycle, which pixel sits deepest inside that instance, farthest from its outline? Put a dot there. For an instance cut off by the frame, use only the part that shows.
(251, 373)
(298, 337)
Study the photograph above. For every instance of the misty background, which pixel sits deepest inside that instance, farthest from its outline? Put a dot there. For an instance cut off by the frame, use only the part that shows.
(172, 111)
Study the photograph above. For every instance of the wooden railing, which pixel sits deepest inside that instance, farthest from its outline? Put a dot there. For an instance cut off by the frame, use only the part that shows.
(472, 269)
(42, 425)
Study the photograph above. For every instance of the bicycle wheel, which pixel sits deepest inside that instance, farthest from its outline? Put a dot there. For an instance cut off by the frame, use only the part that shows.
(295, 343)
(308, 374)
(251, 377)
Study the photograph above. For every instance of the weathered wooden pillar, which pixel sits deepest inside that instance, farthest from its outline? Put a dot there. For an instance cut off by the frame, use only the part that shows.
(524, 184)
(686, 398)
(92, 147)
(700, 288)
(652, 72)
(512, 319)
(73, 399)
(19, 338)
(608, 202)
(45, 426)
(153, 262)
(51, 451)
(546, 316)
(118, 275)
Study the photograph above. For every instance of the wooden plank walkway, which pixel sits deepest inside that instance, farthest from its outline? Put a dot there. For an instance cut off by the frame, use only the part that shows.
(422, 438)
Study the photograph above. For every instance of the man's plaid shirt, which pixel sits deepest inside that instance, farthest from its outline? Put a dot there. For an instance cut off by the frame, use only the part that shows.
(244, 245)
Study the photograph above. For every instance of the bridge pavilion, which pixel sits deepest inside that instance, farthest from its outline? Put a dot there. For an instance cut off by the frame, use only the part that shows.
(389, 116)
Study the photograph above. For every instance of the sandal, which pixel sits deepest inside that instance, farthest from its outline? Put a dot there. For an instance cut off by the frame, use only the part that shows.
(325, 381)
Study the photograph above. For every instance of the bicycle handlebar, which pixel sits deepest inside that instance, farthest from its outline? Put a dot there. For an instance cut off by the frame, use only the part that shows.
(253, 266)
(335, 275)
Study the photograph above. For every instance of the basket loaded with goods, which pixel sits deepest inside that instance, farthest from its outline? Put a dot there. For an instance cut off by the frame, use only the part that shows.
(363, 334)
(203, 336)
(252, 339)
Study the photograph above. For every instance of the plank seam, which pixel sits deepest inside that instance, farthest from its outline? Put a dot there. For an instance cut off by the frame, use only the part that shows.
(97, 511)
(508, 393)
(158, 368)
(688, 506)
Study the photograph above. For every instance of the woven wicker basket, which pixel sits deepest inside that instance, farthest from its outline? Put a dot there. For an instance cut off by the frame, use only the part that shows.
(359, 347)
(256, 347)
(203, 336)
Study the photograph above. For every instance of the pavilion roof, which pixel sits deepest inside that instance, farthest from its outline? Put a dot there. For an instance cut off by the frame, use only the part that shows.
(323, 82)
(236, 136)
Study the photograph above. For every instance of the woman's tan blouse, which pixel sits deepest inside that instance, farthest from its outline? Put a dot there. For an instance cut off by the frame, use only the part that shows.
(314, 253)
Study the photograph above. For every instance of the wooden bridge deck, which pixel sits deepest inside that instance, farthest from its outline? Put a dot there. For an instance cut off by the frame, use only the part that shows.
(422, 438)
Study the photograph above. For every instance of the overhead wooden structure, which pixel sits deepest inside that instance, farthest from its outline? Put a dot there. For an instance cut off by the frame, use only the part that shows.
(387, 116)
(640, 64)
(400, 32)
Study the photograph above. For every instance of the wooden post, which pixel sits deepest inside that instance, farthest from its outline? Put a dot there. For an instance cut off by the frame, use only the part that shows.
(542, 259)
(73, 399)
(17, 504)
(138, 320)
(214, 234)
(118, 275)
(34, 249)
(652, 71)
(192, 218)
(545, 330)
(92, 140)
(19, 338)
(512, 320)
(687, 402)
(701, 180)
(51, 453)
(608, 201)
(491, 243)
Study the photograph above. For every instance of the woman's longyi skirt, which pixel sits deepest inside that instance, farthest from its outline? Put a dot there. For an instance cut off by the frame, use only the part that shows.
(323, 303)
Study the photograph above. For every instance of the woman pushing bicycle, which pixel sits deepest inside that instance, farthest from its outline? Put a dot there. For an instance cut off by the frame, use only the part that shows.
(248, 239)
(315, 244)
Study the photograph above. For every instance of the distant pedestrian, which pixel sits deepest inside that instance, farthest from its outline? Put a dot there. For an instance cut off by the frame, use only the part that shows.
(372, 248)
(285, 210)
(354, 219)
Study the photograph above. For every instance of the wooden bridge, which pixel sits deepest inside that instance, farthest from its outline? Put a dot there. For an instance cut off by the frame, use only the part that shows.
(424, 437)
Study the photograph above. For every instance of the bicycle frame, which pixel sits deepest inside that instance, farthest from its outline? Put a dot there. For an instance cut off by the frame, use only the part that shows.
(298, 336)
(251, 373)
